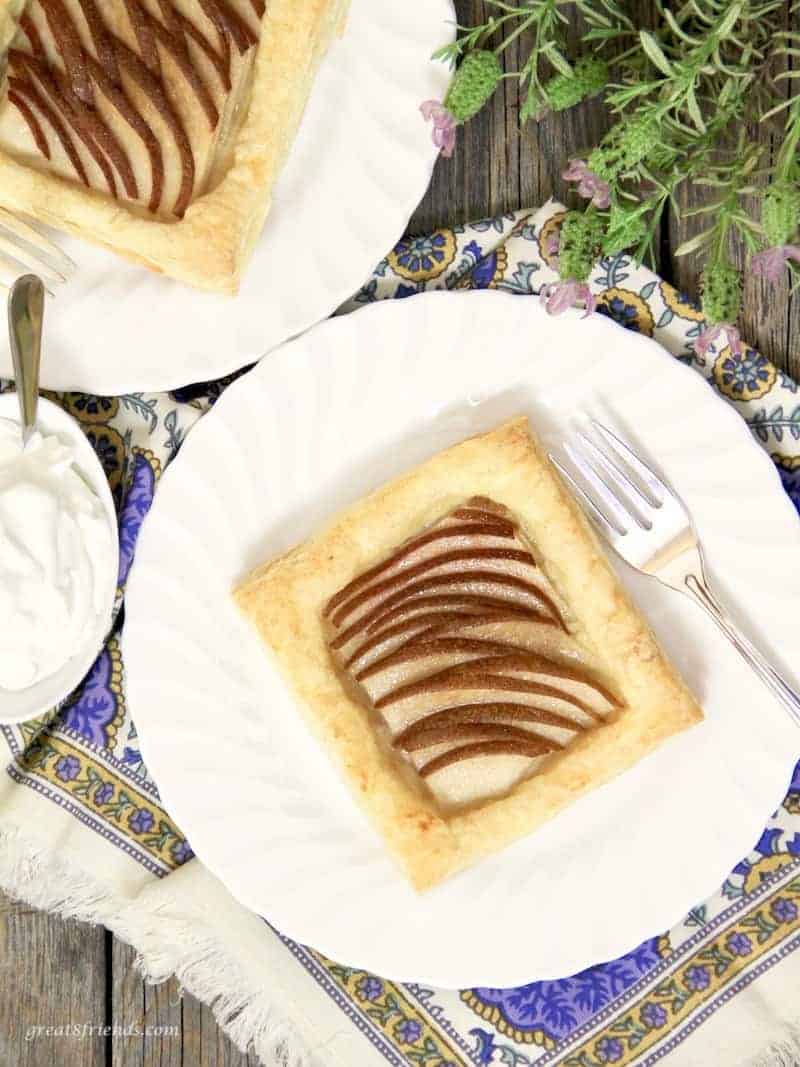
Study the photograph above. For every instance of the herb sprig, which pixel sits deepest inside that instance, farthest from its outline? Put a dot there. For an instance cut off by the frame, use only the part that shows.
(683, 95)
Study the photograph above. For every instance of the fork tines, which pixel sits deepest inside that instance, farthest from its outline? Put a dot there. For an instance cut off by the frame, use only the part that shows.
(23, 248)
(618, 487)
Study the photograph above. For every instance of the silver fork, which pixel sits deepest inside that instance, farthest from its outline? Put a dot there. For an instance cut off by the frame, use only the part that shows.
(23, 249)
(649, 526)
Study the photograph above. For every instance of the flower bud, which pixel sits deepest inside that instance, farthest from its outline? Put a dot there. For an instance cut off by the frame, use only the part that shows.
(780, 213)
(589, 76)
(604, 162)
(579, 245)
(721, 288)
(639, 138)
(472, 85)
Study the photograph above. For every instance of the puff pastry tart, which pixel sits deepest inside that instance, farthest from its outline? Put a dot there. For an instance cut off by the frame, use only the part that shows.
(156, 127)
(460, 645)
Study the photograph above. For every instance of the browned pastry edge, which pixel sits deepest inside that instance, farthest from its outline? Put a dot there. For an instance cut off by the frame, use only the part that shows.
(284, 600)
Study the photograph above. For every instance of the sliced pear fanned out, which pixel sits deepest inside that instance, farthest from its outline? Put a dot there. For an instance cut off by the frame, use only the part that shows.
(460, 642)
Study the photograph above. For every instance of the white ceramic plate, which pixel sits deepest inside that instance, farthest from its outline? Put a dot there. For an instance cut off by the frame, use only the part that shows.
(27, 704)
(360, 165)
(329, 416)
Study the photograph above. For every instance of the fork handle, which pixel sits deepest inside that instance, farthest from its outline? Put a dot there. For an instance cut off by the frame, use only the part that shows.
(697, 588)
(25, 314)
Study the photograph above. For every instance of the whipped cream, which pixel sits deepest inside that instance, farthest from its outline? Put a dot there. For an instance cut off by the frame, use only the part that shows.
(56, 551)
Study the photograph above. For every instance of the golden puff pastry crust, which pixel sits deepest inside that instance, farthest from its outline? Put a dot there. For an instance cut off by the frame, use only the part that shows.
(210, 245)
(286, 601)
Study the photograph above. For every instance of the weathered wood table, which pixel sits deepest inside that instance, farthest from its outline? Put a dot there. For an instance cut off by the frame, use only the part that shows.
(55, 973)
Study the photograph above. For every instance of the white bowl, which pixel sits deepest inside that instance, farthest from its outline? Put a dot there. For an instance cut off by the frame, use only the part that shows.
(36, 699)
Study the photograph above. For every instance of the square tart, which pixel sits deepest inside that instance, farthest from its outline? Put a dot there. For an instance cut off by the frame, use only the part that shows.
(459, 644)
(156, 128)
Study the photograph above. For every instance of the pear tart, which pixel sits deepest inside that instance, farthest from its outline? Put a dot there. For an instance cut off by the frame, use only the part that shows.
(460, 645)
(156, 127)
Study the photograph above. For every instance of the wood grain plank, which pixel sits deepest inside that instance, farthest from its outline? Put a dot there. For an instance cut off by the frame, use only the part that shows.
(52, 974)
(205, 1044)
(137, 1009)
(461, 186)
(189, 1034)
(498, 166)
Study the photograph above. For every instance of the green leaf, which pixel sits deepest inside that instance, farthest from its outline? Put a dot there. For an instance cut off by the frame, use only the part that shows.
(694, 110)
(776, 110)
(704, 209)
(695, 243)
(654, 53)
(558, 61)
(730, 20)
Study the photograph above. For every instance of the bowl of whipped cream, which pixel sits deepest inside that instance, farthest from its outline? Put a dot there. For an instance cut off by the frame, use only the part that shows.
(59, 560)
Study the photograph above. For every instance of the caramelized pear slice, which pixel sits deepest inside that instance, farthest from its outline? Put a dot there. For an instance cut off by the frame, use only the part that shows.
(228, 22)
(28, 91)
(221, 63)
(68, 43)
(509, 746)
(417, 735)
(432, 563)
(443, 732)
(120, 101)
(498, 529)
(145, 37)
(477, 677)
(177, 49)
(131, 65)
(101, 39)
(31, 121)
(56, 88)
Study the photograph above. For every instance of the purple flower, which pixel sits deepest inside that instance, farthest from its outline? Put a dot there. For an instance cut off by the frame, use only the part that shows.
(739, 944)
(444, 125)
(559, 296)
(408, 1031)
(609, 1049)
(104, 793)
(590, 186)
(653, 1015)
(552, 246)
(769, 263)
(182, 852)
(370, 987)
(711, 335)
(141, 821)
(783, 910)
(697, 978)
(67, 768)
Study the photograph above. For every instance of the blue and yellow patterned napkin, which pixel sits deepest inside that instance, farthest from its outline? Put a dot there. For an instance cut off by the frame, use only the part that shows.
(84, 832)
